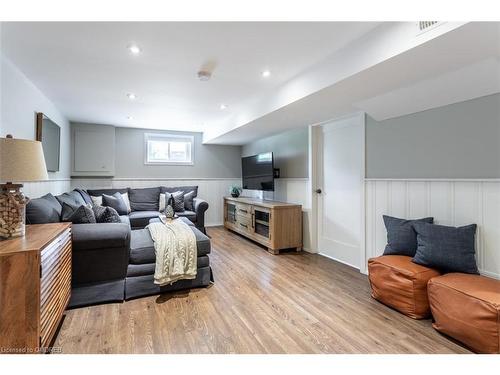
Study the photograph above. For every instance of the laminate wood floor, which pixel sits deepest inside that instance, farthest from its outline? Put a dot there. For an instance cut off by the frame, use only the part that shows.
(260, 303)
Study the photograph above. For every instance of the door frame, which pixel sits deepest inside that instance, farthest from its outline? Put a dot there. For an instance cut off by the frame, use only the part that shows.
(315, 148)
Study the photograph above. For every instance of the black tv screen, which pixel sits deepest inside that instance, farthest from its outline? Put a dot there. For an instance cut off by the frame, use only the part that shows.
(258, 172)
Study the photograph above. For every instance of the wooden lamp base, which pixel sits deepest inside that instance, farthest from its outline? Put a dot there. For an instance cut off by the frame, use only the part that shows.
(12, 211)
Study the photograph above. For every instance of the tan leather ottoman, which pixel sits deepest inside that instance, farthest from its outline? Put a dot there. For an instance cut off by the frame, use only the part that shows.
(467, 308)
(401, 284)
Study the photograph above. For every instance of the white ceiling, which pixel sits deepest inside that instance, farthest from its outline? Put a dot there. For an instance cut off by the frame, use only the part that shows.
(86, 69)
(388, 73)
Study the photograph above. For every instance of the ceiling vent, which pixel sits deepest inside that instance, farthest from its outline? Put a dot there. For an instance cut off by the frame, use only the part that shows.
(424, 26)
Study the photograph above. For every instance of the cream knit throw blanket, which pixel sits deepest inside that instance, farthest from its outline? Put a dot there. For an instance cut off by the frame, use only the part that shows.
(175, 247)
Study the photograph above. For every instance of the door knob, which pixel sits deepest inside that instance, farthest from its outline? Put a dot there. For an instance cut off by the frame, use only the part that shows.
(318, 191)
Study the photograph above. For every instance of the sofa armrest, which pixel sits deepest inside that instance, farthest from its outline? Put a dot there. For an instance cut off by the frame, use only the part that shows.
(100, 252)
(100, 236)
(200, 206)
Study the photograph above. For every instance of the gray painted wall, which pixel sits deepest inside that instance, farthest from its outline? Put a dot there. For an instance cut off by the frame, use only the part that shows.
(290, 150)
(210, 161)
(21, 100)
(460, 140)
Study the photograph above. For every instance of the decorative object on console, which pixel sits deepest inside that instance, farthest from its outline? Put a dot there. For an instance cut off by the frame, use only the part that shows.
(401, 237)
(20, 160)
(235, 191)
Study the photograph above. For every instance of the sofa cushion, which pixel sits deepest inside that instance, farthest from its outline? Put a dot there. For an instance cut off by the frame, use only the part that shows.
(401, 237)
(100, 236)
(447, 249)
(146, 199)
(401, 284)
(191, 215)
(142, 249)
(139, 219)
(82, 214)
(125, 219)
(43, 210)
(72, 198)
(184, 189)
(467, 308)
(134, 270)
(115, 201)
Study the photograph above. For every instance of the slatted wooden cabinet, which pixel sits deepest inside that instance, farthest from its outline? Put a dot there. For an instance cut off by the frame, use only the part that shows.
(35, 287)
(276, 225)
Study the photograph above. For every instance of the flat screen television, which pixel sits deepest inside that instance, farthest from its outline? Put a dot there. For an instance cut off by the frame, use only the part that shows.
(258, 172)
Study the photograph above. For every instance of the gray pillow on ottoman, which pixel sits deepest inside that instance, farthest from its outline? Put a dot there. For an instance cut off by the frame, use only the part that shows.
(447, 249)
(401, 237)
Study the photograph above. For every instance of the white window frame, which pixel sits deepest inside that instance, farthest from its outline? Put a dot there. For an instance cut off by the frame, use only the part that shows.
(172, 138)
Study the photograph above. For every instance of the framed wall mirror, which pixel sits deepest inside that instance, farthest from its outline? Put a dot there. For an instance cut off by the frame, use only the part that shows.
(49, 133)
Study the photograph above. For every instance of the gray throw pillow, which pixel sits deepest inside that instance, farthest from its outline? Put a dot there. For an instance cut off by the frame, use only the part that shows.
(43, 210)
(188, 201)
(177, 201)
(447, 249)
(401, 237)
(78, 214)
(116, 201)
(106, 214)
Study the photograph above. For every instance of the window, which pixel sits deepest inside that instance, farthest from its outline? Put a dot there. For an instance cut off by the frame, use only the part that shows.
(168, 149)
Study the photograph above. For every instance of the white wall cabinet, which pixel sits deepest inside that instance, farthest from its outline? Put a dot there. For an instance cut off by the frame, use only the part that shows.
(93, 150)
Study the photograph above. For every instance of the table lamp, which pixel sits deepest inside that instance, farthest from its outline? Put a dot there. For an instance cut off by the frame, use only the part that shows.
(21, 160)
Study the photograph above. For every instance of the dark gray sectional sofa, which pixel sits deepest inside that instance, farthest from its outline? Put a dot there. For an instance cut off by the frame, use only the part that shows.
(115, 261)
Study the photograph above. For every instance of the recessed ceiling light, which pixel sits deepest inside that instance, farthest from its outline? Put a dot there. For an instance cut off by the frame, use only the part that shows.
(134, 49)
(131, 96)
(130, 118)
(266, 73)
(223, 107)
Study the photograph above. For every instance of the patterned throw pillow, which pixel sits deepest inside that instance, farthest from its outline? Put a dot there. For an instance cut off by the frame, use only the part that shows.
(78, 214)
(106, 214)
(177, 201)
(163, 201)
(188, 201)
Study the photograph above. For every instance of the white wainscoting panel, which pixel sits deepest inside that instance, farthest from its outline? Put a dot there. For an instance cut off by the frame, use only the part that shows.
(39, 188)
(210, 189)
(450, 202)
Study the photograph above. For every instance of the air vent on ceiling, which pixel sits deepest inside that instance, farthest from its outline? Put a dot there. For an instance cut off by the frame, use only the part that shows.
(424, 26)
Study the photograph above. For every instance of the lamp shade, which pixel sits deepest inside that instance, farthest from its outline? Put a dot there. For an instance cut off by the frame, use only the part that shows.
(21, 160)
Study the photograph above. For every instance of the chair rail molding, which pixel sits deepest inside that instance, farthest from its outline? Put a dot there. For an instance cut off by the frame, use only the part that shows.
(453, 202)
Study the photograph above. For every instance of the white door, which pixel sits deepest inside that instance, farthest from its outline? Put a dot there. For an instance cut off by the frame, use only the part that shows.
(340, 189)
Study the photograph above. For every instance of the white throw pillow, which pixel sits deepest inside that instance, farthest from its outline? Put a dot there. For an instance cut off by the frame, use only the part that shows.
(163, 203)
(127, 201)
(97, 201)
